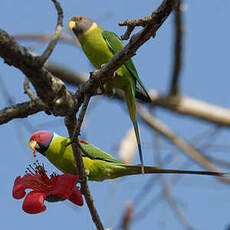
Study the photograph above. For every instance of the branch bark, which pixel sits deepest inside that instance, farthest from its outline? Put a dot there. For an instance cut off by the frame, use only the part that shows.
(21, 110)
(178, 25)
(192, 107)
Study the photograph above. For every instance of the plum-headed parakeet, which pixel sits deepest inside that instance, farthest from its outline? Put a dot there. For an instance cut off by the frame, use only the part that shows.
(98, 164)
(100, 46)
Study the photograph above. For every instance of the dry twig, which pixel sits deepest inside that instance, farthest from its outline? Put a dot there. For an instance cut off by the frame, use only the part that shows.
(166, 188)
(28, 90)
(21, 110)
(178, 25)
(156, 19)
(44, 57)
(70, 123)
(46, 37)
(163, 130)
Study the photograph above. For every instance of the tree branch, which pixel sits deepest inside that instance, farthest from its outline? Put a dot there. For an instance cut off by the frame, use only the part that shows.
(70, 122)
(21, 110)
(65, 38)
(27, 89)
(156, 19)
(192, 107)
(44, 57)
(166, 187)
(50, 89)
(178, 25)
(66, 75)
(177, 141)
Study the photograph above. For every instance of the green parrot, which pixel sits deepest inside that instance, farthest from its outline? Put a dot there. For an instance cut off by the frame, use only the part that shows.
(98, 165)
(100, 46)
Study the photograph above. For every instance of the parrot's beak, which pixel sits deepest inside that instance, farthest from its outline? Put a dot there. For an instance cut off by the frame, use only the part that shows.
(33, 144)
(72, 24)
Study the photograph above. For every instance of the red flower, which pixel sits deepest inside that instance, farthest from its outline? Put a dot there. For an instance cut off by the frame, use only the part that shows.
(55, 188)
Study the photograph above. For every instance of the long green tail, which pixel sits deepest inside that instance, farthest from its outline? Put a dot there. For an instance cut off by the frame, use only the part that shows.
(130, 100)
(125, 170)
(139, 146)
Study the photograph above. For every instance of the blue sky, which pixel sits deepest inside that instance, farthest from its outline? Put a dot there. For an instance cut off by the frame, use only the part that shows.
(205, 76)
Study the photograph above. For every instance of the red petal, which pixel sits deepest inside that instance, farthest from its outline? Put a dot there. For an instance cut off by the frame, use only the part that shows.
(19, 188)
(64, 185)
(34, 203)
(76, 197)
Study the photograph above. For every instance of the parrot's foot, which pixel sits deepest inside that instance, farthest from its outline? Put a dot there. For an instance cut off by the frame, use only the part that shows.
(100, 90)
(82, 179)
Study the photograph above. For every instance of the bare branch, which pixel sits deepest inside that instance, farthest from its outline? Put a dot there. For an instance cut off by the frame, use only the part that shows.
(166, 188)
(50, 89)
(156, 19)
(65, 38)
(66, 75)
(76, 131)
(44, 57)
(28, 90)
(128, 216)
(70, 124)
(21, 110)
(192, 107)
(177, 141)
(178, 25)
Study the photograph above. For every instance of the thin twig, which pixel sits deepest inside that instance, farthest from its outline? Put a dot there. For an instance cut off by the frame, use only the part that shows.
(51, 90)
(64, 37)
(127, 217)
(21, 110)
(155, 18)
(192, 107)
(76, 131)
(44, 57)
(70, 77)
(70, 123)
(178, 25)
(28, 90)
(165, 186)
(175, 179)
(163, 130)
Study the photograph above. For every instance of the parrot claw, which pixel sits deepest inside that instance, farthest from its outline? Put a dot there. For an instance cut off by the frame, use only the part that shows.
(82, 179)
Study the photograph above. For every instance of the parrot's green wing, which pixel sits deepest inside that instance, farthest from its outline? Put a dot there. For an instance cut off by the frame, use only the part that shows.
(115, 44)
(95, 153)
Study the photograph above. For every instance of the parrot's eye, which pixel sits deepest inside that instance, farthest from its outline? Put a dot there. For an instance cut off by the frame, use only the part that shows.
(39, 136)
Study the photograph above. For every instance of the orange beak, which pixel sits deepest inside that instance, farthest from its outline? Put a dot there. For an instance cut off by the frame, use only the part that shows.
(33, 144)
(71, 24)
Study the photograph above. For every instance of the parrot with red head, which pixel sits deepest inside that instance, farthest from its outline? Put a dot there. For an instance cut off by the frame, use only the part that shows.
(98, 164)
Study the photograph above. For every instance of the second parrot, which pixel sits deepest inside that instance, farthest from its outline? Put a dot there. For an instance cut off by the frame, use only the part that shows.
(100, 46)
